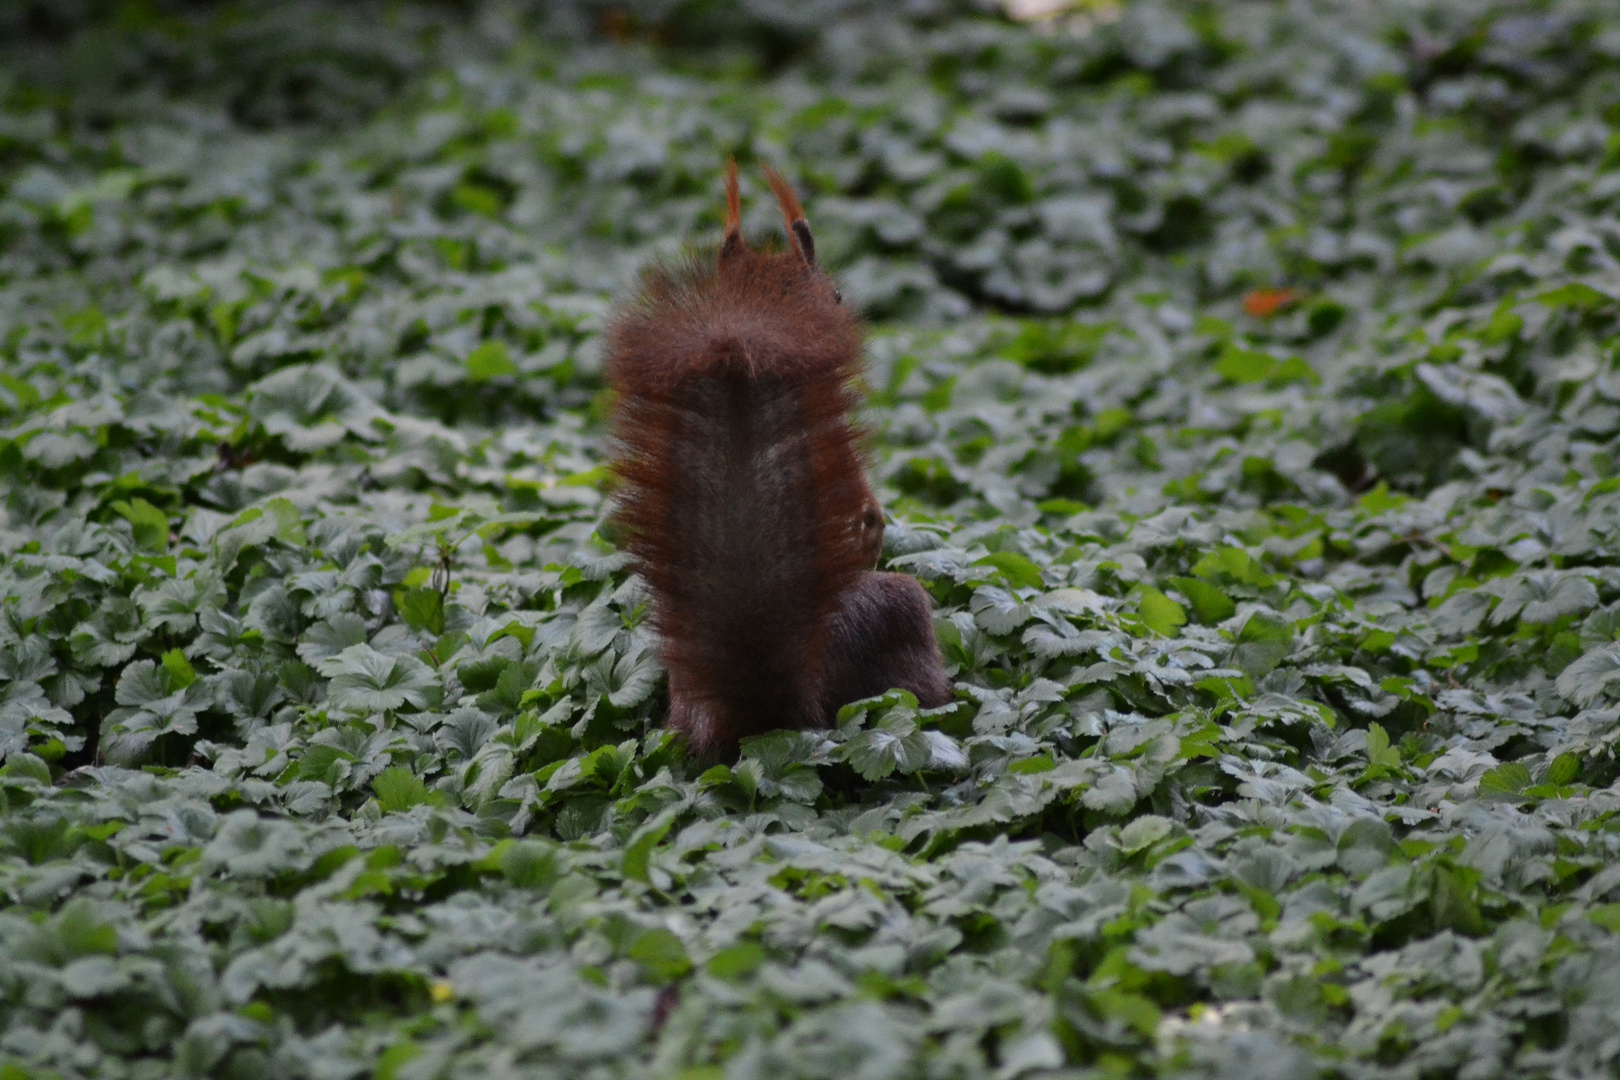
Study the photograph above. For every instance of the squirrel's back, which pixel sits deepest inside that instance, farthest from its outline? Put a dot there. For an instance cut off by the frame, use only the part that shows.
(741, 487)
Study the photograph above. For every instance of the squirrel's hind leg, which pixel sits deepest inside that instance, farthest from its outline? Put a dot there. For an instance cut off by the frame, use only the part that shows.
(883, 637)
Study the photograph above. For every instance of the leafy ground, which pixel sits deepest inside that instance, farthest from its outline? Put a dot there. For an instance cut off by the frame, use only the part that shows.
(1244, 391)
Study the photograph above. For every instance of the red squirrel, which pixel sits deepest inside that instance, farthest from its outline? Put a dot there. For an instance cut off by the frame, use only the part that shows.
(743, 499)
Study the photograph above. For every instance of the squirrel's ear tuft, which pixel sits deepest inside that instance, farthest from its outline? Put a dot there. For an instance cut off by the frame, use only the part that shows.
(733, 243)
(798, 229)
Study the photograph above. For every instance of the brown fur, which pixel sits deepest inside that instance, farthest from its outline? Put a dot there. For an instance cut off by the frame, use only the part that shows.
(883, 636)
(743, 498)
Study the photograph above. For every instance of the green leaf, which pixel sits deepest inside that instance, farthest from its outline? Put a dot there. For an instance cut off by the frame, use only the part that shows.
(1231, 564)
(80, 932)
(1452, 901)
(422, 609)
(490, 361)
(638, 852)
(149, 524)
(181, 673)
(1263, 643)
(318, 761)
(144, 683)
(478, 199)
(1294, 369)
(1133, 1010)
(1380, 501)
(398, 789)
(1143, 833)
(27, 397)
(395, 1058)
(366, 680)
(1114, 792)
(23, 764)
(1607, 916)
(1504, 782)
(1015, 569)
(1591, 676)
(1380, 754)
(894, 743)
(736, 962)
(1158, 612)
(661, 954)
(289, 523)
(530, 864)
(1240, 365)
(1210, 604)
(1575, 295)
(1564, 769)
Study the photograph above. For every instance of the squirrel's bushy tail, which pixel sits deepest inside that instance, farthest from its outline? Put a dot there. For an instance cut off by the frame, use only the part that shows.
(741, 488)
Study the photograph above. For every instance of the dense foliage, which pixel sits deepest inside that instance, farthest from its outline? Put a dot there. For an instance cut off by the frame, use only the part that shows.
(1244, 390)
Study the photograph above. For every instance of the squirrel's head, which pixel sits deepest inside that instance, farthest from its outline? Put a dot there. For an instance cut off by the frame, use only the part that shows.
(735, 255)
(756, 311)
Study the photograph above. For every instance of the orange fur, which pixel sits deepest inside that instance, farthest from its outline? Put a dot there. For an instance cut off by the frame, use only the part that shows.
(733, 205)
(791, 210)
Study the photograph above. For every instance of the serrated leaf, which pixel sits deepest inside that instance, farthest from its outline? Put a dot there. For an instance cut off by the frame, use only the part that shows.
(1504, 782)
(1589, 677)
(1112, 792)
(421, 609)
(1563, 769)
(366, 680)
(892, 744)
(398, 789)
(997, 610)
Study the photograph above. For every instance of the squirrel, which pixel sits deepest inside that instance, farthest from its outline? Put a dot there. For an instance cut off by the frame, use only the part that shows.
(742, 497)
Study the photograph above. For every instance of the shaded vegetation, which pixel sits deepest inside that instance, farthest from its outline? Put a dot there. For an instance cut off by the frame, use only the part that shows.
(1243, 389)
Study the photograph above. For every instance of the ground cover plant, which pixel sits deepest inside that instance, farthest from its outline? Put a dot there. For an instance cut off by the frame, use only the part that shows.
(1243, 389)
